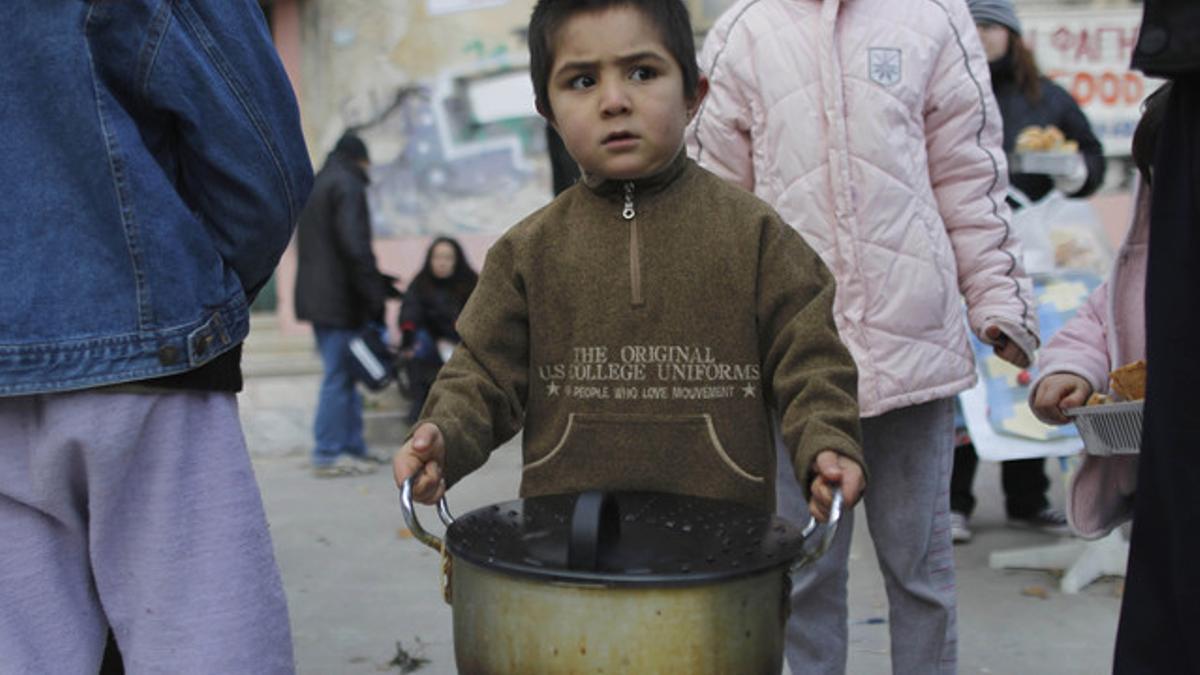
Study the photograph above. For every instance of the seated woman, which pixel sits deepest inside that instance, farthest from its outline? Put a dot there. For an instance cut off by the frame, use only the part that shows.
(432, 303)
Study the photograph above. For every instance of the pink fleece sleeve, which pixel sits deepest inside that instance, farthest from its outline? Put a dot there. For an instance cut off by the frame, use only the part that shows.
(1081, 346)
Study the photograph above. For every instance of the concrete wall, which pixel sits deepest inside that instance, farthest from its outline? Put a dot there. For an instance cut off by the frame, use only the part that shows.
(412, 76)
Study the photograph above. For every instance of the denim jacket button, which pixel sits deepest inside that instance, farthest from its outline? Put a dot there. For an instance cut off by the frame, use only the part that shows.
(202, 345)
(168, 355)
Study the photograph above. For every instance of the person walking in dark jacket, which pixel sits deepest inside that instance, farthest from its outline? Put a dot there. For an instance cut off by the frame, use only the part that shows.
(340, 290)
(1160, 609)
(432, 303)
(1026, 98)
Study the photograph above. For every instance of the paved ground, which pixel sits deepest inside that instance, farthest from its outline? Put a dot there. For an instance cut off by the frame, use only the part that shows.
(358, 586)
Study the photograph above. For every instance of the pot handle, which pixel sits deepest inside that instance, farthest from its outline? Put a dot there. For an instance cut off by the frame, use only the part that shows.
(835, 514)
(410, 517)
(595, 526)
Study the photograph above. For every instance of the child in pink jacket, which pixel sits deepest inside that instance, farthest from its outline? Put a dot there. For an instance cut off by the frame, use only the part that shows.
(1108, 331)
(871, 127)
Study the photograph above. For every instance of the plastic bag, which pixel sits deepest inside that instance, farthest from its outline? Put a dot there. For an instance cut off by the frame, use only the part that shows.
(1059, 234)
(371, 360)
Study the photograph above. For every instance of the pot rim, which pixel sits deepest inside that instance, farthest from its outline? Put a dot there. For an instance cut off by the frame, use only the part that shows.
(598, 580)
(784, 544)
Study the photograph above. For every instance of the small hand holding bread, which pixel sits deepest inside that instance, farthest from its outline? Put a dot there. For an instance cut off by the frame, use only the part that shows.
(1057, 393)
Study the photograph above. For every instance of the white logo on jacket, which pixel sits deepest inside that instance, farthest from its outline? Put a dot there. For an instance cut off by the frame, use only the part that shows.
(884, 65)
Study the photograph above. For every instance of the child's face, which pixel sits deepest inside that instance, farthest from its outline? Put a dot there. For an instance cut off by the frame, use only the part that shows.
(617, 94)
(995, 40)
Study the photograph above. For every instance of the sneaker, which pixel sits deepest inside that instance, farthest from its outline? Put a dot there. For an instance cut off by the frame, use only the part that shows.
(374, 457)
(345, 465)
(1049, 520)
(959, 532)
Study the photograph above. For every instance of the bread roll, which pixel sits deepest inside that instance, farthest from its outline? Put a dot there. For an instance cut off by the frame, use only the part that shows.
(1129, 381)
(1044, 139)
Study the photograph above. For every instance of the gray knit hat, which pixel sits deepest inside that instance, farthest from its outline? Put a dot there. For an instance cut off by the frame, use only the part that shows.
(995, 11)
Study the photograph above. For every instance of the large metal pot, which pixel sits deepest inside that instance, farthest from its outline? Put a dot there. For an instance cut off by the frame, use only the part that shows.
(619, 583)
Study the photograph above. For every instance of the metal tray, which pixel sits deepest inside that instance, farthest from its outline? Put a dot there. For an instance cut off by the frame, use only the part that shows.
(1109, 428)
(1049, 163)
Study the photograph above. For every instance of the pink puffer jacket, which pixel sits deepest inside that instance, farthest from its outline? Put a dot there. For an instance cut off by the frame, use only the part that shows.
(1108, 331)
(871, 127)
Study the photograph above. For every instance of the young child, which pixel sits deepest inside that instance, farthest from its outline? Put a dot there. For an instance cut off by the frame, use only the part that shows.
(871, 127)
(1108, 331)
(642, 325)
(154, 165)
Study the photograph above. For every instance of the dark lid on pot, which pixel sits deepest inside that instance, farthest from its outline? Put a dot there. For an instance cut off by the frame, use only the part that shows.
(624, 538)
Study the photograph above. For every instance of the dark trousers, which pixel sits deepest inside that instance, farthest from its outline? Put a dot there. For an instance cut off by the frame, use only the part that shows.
(1160, 612)
(422, 372)
(1024, 482)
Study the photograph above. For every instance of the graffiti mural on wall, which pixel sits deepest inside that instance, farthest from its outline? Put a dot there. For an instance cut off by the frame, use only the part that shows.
(444, 164)
(441, 165)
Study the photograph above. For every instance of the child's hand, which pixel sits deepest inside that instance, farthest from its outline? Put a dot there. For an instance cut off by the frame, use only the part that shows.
(829, 470)
(422, 456)
(1006, 348)
(1056, 393)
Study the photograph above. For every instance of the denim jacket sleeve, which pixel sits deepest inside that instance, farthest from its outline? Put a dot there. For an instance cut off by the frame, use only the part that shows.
(206, 78)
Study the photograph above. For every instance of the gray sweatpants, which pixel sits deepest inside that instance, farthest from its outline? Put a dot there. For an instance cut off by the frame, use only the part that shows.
(909, 453)
(139, 512)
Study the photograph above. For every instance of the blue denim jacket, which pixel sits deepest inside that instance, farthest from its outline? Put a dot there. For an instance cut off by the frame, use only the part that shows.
(152, 167)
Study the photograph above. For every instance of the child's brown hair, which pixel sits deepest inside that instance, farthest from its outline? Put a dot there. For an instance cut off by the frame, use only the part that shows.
(669, 16)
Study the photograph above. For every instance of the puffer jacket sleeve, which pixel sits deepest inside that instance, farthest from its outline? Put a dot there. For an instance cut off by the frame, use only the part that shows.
(718, 137)
(478, 400)
(969, 175)
(813, 379)
(1081, 346)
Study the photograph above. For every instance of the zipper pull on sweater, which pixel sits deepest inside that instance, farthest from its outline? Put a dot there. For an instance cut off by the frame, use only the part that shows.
(635, 255)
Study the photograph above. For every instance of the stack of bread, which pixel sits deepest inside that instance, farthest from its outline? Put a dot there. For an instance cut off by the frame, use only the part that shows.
(1044, 139)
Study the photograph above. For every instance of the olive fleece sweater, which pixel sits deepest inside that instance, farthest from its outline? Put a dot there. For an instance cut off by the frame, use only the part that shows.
(642, 332)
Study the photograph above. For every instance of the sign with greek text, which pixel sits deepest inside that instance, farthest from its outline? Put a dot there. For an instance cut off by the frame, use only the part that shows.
(1087, 52)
